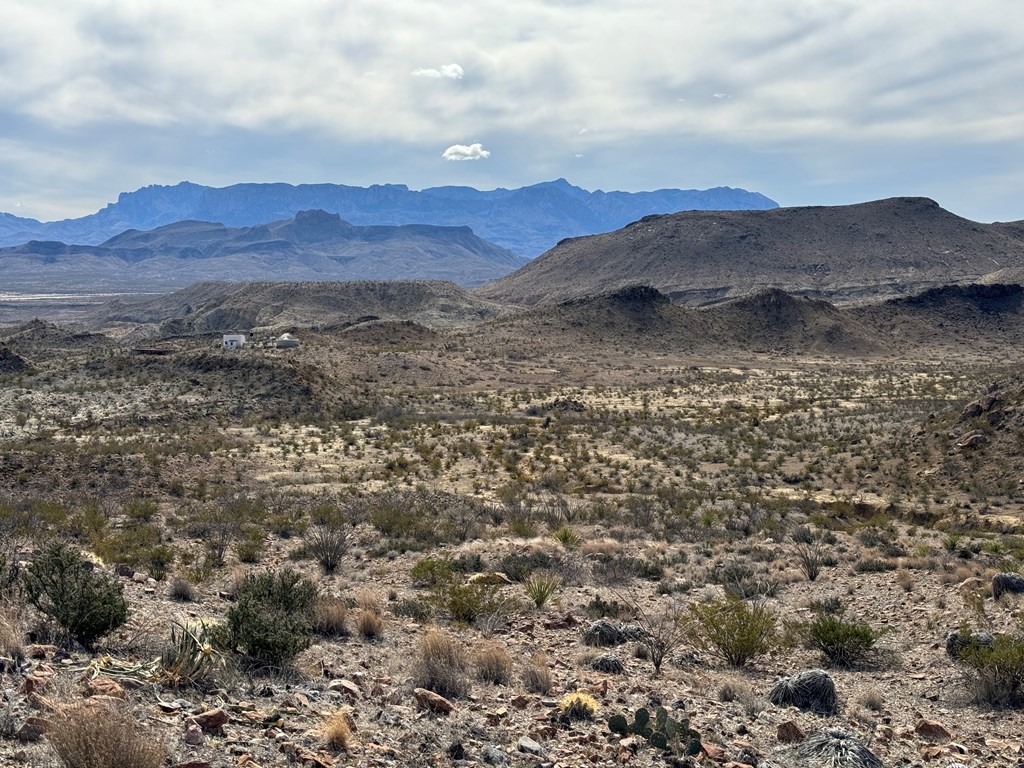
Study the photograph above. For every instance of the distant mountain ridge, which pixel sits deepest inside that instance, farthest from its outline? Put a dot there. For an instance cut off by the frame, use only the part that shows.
(526, 221)
(868, 251)
(314, 245)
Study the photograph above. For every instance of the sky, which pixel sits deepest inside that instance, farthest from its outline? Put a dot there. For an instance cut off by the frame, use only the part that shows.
(810, 102)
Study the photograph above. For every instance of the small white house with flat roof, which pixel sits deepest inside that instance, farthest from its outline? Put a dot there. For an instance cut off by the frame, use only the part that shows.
(233, 340)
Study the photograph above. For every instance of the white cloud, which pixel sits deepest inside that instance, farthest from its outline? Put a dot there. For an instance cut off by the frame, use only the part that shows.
(450, 71)
(464, 152)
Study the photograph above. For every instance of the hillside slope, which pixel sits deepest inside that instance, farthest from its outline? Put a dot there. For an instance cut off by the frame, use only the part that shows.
(841, 253)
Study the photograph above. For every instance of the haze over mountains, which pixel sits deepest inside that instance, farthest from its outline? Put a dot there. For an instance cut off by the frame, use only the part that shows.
(526, 221)
(314, 245)
(843, 253)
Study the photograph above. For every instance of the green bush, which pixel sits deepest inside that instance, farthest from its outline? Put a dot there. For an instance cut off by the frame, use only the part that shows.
(842, 643)
(431, 571)
(736, 630)
(84, 601)
(995, 675)
(272, 616)
(465, 602)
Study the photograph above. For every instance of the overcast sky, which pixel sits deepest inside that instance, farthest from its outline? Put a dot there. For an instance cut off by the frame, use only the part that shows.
(806, 101)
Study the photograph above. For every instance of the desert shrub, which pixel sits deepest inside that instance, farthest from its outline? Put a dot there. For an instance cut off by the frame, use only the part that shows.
(69, 589)
(137, 545)
(578, 706)
(413, 608)
(493, 664)
(182, 590)
(826, 605)
(812, 690)
(465, 602)
(250, 547)
(874, 565)
(742, 581)
(90, 734)
(537, 675)
(540, 587)
(431, 571)
(440, 665)
(661, 632)
(995, 674)
(271, 617)
(327, 544)
(369, 624)
(615, 569)
(737, 630)
(842, 643)
(811, 558)
(519, 565)
(330, 617)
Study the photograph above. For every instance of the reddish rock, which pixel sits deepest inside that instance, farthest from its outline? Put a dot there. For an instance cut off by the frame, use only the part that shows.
(32, 729)
(194, 735)
(347, 688)
(790, 732)
(104, 686)
(932, 729)
(211, 721)
(194, 764)
(433, 702)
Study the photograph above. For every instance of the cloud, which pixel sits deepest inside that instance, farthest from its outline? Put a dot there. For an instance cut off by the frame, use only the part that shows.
(463, 152)
(449, 71)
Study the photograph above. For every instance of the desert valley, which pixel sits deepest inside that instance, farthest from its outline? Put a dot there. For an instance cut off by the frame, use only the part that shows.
(713, 488)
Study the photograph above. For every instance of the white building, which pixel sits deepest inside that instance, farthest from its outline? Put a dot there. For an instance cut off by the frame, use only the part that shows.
(233, 340)
(287, 341)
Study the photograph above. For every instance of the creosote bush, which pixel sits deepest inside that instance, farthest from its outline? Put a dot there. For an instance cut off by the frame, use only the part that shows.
(90, 734)
(272, 616)
(842, 643)
(72, 591)
(737, 630)
(995, 674)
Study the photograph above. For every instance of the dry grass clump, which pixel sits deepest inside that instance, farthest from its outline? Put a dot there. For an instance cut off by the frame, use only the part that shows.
(11, 637)
(537, 675)
(182, 590)
(369, 624)
(92, 735)
(330, 617)
(337, 731)
(493, 664)
(440, 665)
(369, 601)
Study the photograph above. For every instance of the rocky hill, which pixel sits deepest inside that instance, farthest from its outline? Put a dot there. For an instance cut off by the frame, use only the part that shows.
(527, 221)
(218, 307)
(849, 253)
(971, 321)
(313, 245)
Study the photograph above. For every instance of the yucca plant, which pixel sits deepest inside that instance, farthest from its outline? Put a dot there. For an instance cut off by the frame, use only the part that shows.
(567, 536)
(190, 657)
(540, 587)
